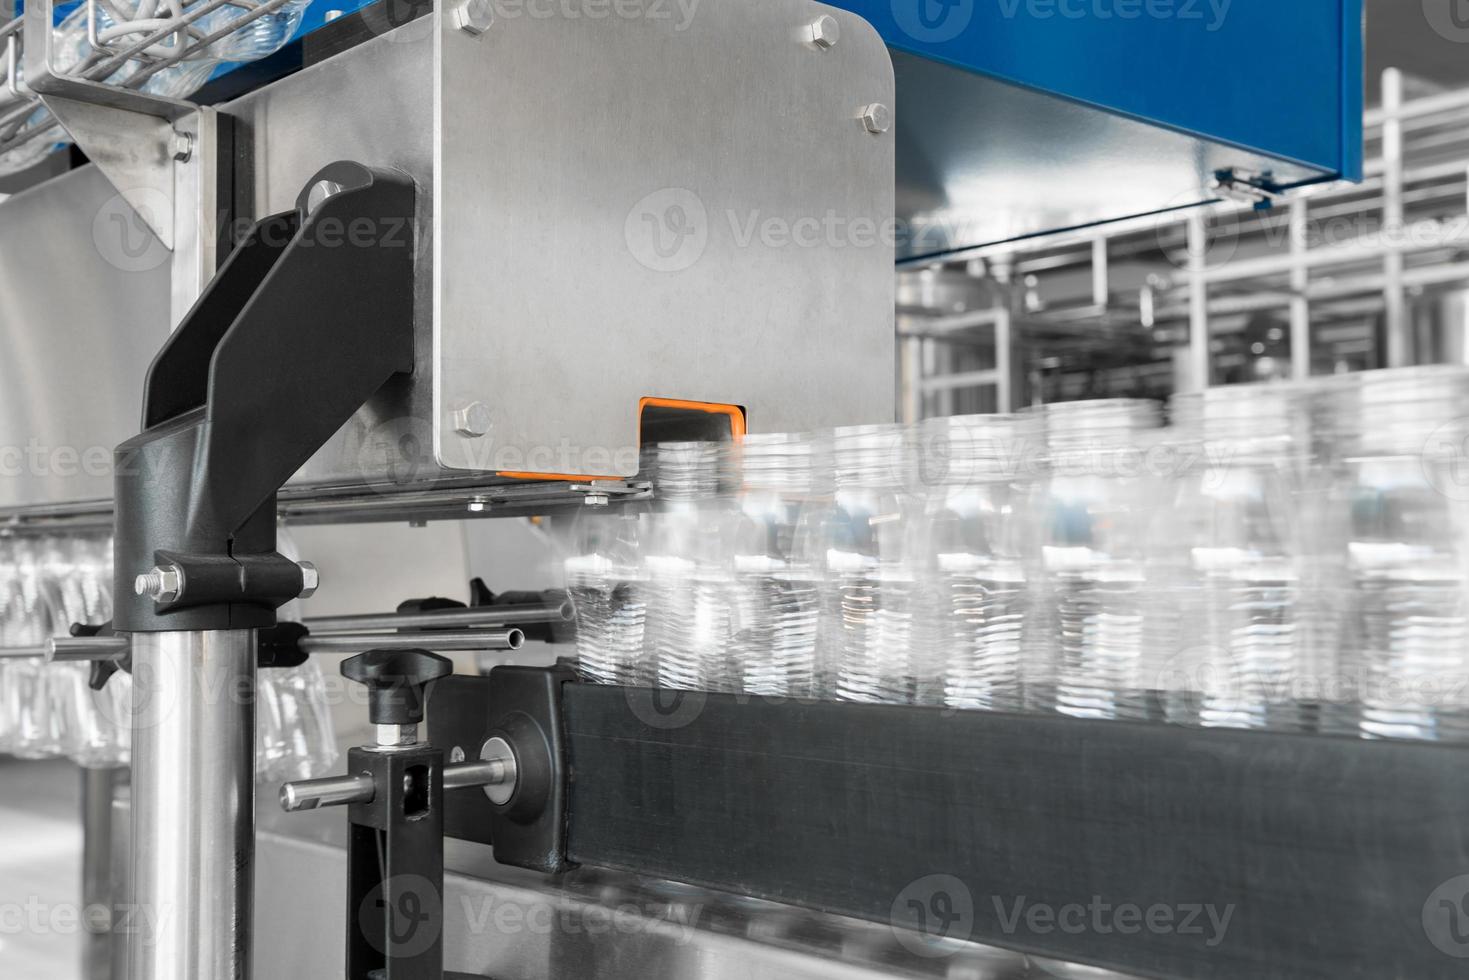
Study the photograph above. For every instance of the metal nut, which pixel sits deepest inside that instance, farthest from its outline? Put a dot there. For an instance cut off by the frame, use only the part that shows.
(182, 147)
(478, 505)
(596, 500)
(473, 17)
(310, 579)
(824, 31)
(877, 118)
(163, 584)
(473, 420)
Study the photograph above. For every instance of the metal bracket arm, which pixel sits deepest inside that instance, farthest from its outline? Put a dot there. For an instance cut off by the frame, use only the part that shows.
(308, 318)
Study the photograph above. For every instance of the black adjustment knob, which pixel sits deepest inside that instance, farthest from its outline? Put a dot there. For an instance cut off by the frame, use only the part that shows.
(395, 682)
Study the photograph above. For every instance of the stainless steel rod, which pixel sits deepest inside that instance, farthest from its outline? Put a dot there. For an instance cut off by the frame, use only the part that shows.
(471, 774)
(486, 616)
(308, 794)
(22, 653)
(445, 640)
(98, 898)
(193, 820)
(73, 649)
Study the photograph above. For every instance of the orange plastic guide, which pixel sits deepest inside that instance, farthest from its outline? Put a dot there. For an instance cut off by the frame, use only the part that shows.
(736, 429)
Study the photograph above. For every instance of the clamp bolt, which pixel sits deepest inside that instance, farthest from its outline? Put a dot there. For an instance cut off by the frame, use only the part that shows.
(824, 31)
(877, 118)
(310, 579)
(163, 584)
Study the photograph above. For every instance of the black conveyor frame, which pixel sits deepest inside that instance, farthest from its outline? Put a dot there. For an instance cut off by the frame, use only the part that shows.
(1328, 850)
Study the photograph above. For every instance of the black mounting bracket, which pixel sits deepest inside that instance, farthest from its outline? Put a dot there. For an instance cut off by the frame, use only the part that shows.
(522, 705)
(309, 317)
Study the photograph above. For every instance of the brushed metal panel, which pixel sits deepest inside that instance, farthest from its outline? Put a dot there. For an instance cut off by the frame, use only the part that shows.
(683, 206)
(84, 305)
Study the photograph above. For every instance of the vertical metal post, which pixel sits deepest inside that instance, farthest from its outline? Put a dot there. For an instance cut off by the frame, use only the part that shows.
(1300, 303)
(1198, 301)
(1101, 288)
(193, 836)
(1004, 362)
(1394, 299)
(98, 786)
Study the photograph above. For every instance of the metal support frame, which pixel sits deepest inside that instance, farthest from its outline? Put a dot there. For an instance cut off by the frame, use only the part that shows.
(99, 896)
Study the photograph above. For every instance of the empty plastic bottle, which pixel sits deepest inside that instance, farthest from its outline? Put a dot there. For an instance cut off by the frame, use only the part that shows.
(777, 565)
(607, 586)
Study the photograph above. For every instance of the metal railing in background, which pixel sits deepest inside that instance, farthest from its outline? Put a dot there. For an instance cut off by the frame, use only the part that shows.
(1335, 278)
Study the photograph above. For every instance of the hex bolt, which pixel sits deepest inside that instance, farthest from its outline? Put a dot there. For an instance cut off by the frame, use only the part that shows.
(478, 505)
(320, 193)
(877, 118)
(310, 580)
(182, 147)
(596, 500)
(472, 420)
(824, 31)
(473, 17)
(163, 584)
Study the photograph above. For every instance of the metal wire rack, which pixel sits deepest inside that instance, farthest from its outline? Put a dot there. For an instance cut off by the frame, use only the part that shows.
(126, 47)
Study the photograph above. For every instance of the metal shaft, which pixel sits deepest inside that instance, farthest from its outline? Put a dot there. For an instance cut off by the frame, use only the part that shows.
(72, 649)
(486, 616)
(98, 789)
(193, 839)
(428, 640)
(308, 794)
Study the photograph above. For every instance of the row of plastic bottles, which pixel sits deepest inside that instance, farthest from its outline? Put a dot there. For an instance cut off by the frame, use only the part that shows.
(47, 710)
(120, 24)
(1285, 557)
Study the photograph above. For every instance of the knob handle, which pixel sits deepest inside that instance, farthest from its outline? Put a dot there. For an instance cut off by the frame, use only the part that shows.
(395, 681)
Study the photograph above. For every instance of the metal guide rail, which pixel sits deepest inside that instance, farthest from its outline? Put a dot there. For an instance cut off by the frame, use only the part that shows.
(1156, 850)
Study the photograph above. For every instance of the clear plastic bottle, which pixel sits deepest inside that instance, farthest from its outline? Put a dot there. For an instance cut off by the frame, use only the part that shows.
(689, 633)
(1401, 504)
(28, 620)
(777, 570)
(1099, 499)
(870, 553)
(606, 584)
(978, 547)
(1231, 555)
(261, 37)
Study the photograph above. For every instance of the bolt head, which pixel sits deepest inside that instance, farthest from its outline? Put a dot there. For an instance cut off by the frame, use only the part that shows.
(320, 193)
(310, 579)
(473, 17)
(877, 118)
(163, 584)
(825, 31)
(478, 505)
(596, 500)
(182, 147)
(473, 420)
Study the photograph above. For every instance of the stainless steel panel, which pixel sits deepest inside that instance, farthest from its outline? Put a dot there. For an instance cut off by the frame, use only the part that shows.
(84, 305)
(682, 206)
(983, 161)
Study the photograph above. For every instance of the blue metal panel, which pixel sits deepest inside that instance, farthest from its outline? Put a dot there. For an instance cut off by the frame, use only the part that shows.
(1279, 77)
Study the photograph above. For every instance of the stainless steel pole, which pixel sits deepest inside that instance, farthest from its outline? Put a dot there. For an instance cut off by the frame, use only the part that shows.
(193, 805)
(98, 786)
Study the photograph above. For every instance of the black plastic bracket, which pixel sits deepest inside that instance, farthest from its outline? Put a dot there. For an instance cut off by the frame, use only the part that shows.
(309, 317)
(522, 705)
(395, 867)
